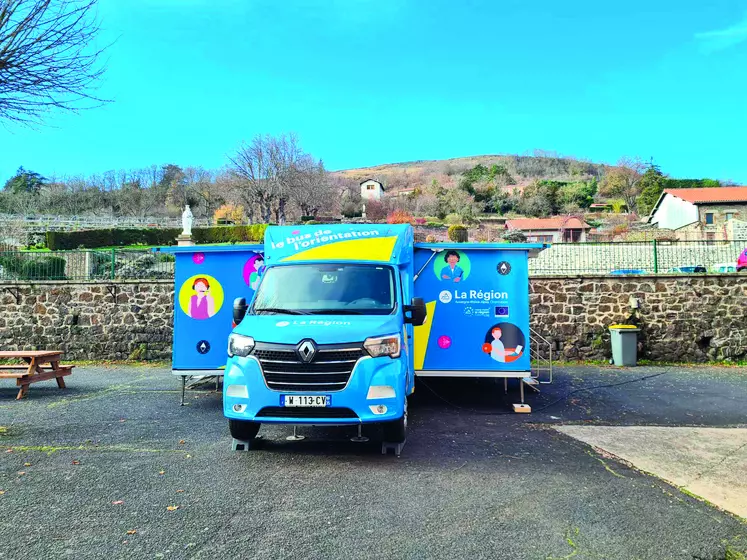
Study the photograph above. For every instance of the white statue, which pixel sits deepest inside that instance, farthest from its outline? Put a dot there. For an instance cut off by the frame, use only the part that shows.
(187, 219)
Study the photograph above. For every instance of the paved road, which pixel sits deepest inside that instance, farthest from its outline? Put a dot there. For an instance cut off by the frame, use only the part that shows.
(470, 484)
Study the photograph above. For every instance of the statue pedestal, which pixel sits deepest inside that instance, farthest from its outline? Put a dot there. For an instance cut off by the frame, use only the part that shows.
(184, 240)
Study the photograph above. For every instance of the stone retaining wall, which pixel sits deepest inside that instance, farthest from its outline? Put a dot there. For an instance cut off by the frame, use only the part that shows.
(89, 321)
(696, 318)
(683, 318)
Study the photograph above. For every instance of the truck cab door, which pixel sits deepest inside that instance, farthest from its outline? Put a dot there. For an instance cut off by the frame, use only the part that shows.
(408, 335)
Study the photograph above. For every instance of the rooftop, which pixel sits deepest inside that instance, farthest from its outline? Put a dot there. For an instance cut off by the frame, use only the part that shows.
(710, 194)
(554, 223)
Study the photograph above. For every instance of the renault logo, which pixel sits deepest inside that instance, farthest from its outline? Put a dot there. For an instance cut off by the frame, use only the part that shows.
(306, 350)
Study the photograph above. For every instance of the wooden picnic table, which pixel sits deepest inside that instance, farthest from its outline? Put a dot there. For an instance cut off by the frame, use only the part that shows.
(41, 365)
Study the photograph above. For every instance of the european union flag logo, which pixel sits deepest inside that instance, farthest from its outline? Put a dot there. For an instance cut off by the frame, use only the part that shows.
(501, 311)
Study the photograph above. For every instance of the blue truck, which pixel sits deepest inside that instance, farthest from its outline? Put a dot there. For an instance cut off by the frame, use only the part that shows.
(330, 324)
(328, 336)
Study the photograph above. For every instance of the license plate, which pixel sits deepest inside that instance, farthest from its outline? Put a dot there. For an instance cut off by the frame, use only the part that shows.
(305, 400)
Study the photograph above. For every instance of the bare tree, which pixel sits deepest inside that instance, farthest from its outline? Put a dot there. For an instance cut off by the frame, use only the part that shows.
(13, 233)
(48, 59)
(288, 163)
(624, 181)
(311, 187)
(269, 168)
(251, 164)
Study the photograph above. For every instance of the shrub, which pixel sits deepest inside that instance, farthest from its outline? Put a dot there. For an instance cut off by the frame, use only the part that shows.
(312, 223)
(101, 264)
(92, 239)
(453, 219)
(458, 233)
(399, 216)
(514, 236)
(430, 238)
(375, 210)
(27, 266)
(12, 264)
(44, 268)
(140, 267)
(230, 214)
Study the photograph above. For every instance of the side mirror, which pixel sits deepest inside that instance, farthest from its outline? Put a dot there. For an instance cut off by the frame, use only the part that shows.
(417, 312)
(239, 310)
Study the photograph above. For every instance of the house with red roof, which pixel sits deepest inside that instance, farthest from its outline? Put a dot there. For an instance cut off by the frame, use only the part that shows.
(704, 213)
(557, 229)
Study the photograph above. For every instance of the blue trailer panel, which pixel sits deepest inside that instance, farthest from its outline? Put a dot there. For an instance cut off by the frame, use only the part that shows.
(477, 296)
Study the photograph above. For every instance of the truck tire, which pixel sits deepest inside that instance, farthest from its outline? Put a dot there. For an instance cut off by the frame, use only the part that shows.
(396, 430)
(243, 429)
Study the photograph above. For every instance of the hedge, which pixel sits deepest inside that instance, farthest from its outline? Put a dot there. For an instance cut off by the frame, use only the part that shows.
(458, 233)
(117, 237)
(29, 266)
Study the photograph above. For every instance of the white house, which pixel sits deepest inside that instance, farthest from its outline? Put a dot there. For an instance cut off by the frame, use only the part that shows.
(371, 189)
(700, 212)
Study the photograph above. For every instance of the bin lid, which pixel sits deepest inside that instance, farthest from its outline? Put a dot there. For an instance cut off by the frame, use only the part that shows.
(628, 327)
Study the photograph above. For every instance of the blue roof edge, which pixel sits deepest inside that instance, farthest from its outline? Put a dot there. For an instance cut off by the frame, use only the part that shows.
(210, 248)
(502, 246)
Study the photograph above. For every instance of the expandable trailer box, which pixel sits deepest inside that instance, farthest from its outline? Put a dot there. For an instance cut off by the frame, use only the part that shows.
(339, 287)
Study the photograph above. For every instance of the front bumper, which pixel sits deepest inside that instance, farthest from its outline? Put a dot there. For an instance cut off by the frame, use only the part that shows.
(247, 397)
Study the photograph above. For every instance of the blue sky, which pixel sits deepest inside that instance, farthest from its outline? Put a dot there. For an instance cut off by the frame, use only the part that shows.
(365, 82)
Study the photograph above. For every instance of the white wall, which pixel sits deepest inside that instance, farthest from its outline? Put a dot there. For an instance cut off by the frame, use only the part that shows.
(674, 213)
(534, 233)
(371, 194)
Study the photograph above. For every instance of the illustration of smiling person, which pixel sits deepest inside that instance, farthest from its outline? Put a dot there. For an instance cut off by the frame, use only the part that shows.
(201, 304)
(452, 271)
(496, 349)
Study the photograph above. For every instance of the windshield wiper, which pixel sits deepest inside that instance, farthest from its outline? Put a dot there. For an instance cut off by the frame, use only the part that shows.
(281, 311)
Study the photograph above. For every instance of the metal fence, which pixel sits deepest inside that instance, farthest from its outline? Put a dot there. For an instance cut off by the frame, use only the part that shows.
(654, 257)
(75, 223)
(651, 257)
(103, 265)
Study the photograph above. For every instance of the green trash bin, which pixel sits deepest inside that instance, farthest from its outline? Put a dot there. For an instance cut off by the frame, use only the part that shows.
(624, 344)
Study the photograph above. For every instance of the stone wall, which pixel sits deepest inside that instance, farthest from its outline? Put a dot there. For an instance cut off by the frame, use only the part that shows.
(683, 318)
(89, 321)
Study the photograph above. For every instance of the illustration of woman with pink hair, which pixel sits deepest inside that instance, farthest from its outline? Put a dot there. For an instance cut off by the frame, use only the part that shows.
(202, 304)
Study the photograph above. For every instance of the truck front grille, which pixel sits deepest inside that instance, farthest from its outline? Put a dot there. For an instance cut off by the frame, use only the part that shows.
(329, 370)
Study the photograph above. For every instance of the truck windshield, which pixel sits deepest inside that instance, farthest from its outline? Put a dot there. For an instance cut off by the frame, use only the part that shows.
(344, 289)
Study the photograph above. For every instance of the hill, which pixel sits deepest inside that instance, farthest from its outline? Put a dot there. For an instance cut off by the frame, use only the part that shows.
(522, 170)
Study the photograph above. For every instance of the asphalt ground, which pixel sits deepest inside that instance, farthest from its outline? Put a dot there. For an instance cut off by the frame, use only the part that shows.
(114, 451)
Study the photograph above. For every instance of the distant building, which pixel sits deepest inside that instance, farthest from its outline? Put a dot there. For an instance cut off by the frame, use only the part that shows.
(371, 189)
(558, 229)
(702, 213)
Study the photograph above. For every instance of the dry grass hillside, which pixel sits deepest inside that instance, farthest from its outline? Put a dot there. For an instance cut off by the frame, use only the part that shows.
(523, 169)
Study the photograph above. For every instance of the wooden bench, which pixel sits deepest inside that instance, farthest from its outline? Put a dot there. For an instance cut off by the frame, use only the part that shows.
(41, 365)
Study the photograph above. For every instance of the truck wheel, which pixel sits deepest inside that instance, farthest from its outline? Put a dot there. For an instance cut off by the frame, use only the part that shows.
(243, 429)
(396, 430)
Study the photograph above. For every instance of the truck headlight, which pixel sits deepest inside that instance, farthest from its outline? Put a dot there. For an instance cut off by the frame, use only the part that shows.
(383, 346)
(240, 345)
